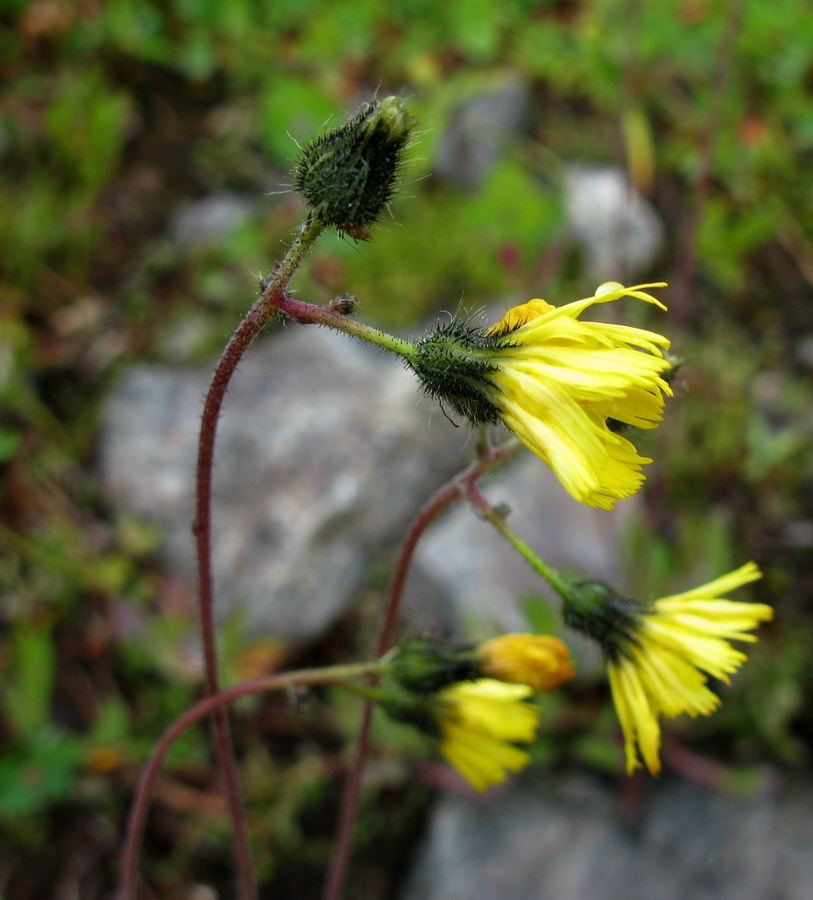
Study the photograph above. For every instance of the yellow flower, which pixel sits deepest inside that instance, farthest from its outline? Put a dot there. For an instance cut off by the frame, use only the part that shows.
(555, 381)
(660, 669)
(479, 721)
(538, 660)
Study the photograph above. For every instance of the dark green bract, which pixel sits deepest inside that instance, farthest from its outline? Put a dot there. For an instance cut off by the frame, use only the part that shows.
(597, 611)
(453, 366)
(426, 665)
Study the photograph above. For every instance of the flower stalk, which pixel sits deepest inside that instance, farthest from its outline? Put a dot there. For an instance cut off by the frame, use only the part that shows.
(257, 318)
(497, 518)
(307, 313)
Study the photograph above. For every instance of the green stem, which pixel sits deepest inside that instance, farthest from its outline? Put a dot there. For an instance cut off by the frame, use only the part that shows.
(534, 560)
(361, 690)
(308, 313)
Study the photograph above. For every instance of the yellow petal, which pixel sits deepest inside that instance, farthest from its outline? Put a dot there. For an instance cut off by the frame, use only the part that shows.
(518, 316)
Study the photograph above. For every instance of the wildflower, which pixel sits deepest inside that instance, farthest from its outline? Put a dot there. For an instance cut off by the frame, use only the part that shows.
(457, 693)
(538, 660)
(659, 655)
(556, 382)
(476, 724)
(479, 721)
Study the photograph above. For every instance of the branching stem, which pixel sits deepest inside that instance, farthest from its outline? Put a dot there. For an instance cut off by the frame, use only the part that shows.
(203, 708)
(454, 489)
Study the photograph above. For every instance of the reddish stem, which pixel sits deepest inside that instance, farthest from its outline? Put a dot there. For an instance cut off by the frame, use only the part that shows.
(256, 319)
(442, 499)
(206, 706)
(202, 528)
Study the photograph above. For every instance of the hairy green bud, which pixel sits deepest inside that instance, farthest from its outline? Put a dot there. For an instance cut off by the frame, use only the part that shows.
(425, 665)
(597, 611)
(452, 364)
(348, 175)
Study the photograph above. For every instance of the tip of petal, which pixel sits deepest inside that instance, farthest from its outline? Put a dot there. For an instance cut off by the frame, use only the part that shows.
(614, 290)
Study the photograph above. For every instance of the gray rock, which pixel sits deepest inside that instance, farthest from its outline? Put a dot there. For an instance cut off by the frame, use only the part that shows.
(208, 219)
(804, 350)
(565, 837)
(325, 451)
(618, 230)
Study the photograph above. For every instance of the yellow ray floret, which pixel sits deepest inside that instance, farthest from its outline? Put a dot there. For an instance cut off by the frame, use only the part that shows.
(479, 722)
(677, 643)
(556, 380)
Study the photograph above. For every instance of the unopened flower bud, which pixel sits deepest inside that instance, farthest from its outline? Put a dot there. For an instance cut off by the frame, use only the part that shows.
(348, 175)
(539, 660)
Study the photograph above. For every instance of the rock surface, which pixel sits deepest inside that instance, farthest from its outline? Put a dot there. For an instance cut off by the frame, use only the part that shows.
(618, 230)
(325, 450)
(564, 838)
(480, 130)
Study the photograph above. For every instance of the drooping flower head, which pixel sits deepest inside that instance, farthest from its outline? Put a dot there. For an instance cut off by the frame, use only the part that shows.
(561, 385)
(439, 687)
(479, 724)
(660, 654)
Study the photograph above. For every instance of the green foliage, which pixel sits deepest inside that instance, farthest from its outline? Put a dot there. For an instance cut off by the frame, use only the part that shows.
(35, 773)
(28, 698)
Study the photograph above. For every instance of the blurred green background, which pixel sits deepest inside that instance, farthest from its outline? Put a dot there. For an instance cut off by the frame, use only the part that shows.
(117, 117)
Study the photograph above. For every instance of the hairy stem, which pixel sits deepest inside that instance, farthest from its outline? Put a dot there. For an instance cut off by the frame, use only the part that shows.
(308, 313)
(256, 319)
(208, 705)
(442, 499)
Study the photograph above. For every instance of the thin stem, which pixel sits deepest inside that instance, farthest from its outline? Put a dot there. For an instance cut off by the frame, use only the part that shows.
(308, 313)
(256, 319)
(204, 707)
(442, 499)
(530, 556)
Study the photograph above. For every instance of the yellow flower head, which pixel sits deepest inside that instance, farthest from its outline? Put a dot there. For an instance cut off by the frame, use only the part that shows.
(556, 381)
(660, 655)
(538, 660)
(479, 721)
